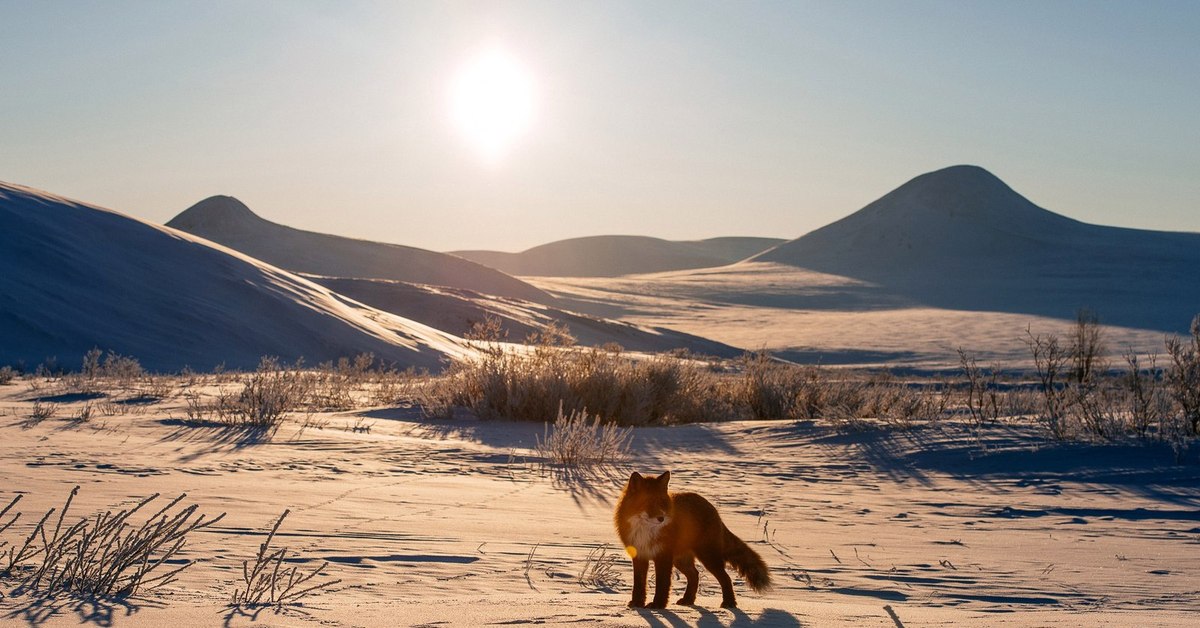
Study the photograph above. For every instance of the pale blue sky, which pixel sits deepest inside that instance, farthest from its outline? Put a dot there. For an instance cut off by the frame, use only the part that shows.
(680, 120)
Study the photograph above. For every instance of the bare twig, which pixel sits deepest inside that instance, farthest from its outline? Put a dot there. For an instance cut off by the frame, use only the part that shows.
(268, 583)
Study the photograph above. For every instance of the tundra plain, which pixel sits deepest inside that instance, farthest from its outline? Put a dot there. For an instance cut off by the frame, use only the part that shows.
(462, 521)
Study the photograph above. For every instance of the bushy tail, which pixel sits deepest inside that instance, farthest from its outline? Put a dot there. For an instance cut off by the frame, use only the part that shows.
(747, 562)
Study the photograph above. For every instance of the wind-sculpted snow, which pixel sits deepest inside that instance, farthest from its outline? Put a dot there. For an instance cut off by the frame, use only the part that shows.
(78, 276)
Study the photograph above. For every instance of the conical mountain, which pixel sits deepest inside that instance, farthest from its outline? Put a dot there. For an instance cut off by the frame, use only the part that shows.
(964, 213)
(961, 238)
(78, 276)
(226, 220)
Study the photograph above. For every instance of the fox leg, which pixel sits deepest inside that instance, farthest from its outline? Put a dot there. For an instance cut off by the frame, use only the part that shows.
(641, 567)
(663, 570)
(686, 564)
(716, 565)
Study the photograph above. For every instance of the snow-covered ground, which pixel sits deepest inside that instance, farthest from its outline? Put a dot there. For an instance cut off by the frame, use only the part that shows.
(452, 523)
(817, 318)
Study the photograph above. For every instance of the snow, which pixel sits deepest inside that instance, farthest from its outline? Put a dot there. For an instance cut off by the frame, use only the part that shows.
(89, 277)
(455, 523)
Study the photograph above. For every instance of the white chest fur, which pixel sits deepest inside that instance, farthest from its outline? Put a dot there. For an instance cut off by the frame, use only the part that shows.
(643, 535)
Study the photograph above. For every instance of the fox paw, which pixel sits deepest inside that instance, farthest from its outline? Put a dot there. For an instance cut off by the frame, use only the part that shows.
(656, 604)
(729, 604)
(683, 601)
(636, 604)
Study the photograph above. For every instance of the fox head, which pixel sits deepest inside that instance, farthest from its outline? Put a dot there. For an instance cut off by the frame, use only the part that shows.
(648, 497)
(643, 513)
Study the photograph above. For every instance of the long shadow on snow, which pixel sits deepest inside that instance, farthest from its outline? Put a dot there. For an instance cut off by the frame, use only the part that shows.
(98, 611)
(1004, 452)
(214, 438)
(769, 618)
(597, 484)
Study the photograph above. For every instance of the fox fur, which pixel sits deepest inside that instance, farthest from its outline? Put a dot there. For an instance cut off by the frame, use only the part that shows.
(673, 530)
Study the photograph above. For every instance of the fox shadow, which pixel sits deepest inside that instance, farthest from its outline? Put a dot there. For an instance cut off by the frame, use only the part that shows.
(769, 618)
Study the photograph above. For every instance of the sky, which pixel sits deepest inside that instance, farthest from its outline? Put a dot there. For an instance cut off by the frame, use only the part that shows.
(680, 120)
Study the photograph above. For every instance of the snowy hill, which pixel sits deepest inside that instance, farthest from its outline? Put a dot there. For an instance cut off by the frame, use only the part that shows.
(614, 255)
(78, 276)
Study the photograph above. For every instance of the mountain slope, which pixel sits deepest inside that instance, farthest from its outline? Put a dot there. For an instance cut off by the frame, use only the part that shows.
(455, 311)
(960, 238)
(614, 255)
(78, 276)
(228, 221)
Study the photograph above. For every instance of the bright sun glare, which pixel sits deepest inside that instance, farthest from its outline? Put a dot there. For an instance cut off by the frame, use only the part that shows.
(492, 102)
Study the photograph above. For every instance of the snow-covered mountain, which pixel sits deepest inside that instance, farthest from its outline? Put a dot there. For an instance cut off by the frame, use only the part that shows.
(228, 221)
(76, 276)
(961, 238)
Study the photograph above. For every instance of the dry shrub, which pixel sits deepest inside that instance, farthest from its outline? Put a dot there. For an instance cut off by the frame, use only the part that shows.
(268, 583)
(534, 383)
(982, 395)
(392, 386)
(1080, 399)
(106, 554)
(579, 441)
(1050, 360)
(266, 397)
(770, 389)
(667, 389)
(156, 388)
(100, 372)
(1149, 403)
(352, 383)
(1183, 377)
(7, 374)
(903, 405)
(41, 411)
(336, 386)
(84, 415)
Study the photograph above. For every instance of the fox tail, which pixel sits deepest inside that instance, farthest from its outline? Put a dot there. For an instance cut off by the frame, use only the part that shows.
(747, 562)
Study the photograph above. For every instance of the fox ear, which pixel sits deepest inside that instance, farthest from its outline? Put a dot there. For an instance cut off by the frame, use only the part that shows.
(635, 478)
(664, 478)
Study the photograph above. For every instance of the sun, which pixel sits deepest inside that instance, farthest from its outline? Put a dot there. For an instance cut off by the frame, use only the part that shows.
(492, 102)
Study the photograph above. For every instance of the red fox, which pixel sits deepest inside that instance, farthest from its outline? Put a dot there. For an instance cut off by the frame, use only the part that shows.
(674, 529)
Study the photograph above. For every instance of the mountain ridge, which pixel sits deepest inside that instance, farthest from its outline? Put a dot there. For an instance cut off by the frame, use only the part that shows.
(228, 221)
(616, 255)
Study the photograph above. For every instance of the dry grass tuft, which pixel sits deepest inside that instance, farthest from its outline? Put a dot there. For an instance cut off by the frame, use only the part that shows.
(41, 411)
(266, 397)
(577, 443)
(601, 569)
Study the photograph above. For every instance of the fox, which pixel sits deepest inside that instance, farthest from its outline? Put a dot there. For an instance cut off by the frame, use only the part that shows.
(672, 530)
